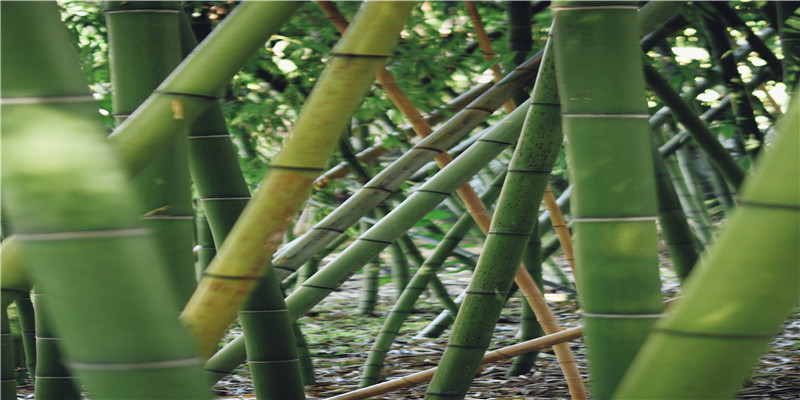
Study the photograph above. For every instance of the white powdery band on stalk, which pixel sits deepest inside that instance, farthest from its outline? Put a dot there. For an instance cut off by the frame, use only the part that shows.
(615, 219)
(178, 363)
(620, 316)
(79, 235)
(12, 101)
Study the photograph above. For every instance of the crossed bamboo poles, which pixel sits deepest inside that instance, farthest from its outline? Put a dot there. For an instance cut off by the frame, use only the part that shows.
(474, 205)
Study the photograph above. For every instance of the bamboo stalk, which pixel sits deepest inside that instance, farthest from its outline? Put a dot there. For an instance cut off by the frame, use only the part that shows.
(490, 357)
(529, 169)
(614, 193)
(691, 355)
(52, 135)
(259, 230)
(467, 194)
(485, 45)
(293, 255)
(144, 47)
(198, 80)
(560, 225)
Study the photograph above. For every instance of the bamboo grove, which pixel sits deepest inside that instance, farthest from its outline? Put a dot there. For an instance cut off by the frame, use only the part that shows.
(230, 188)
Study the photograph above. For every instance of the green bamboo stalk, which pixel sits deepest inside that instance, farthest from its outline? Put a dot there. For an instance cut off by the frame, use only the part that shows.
(259, 230)
(693, 209)
(729, 169)
(198, 81)
(373, 152)
(274, 364)
(373, 367)
(14, 283)
(520, 42)
(672, 220)
(529, 326)
(293, 255)
(51, 135)
(8, 372)
(493, 356)
(513, 222)
(205, 249)
(741, 99)
(614, 206)
(718, 185)
(223, 195)
(485, 45)
(221, 187)
(144, 47)
(53, 380)
(706, 346)
(735, 21)
(389, 228)
(27, 322)
(369, 292)
(789, 27)
(416, 206)
(446, 318)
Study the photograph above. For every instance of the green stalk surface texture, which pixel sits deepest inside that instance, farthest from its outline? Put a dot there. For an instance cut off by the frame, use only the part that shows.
(600, 82)
(144, 47)
(53, 381)
(736, 299)
(683, 113)
(223, 194)
(391, 227)
(258, 232)
(293, 255)
(672, 220)
(198, 81)
(373, 367)
(14, 283)
(78, 222)
(529, 325)
(741, 99)
(510, 230)
(789, 26)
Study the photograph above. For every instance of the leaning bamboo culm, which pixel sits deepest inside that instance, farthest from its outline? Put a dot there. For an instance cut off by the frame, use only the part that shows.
(52, 135)
(600, 83)
(388, 229)
(294, 254)
(198, 81)
(499, 262)
(373, 367)
(740, 293)
(259, 231)
(492, 356)
(467, 194)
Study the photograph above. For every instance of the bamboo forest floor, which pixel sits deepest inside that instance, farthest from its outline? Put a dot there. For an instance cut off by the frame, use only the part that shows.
(340, 340)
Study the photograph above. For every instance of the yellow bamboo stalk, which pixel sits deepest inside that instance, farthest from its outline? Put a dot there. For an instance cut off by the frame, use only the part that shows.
(258, 232)
(485, 45)
(475, 206)
(490, 357)
(560, 226)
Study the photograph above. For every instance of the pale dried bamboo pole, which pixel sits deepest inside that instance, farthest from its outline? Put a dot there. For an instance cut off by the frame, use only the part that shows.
(560, 226)
(485, 45)
(493, 356)
(478, 211)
